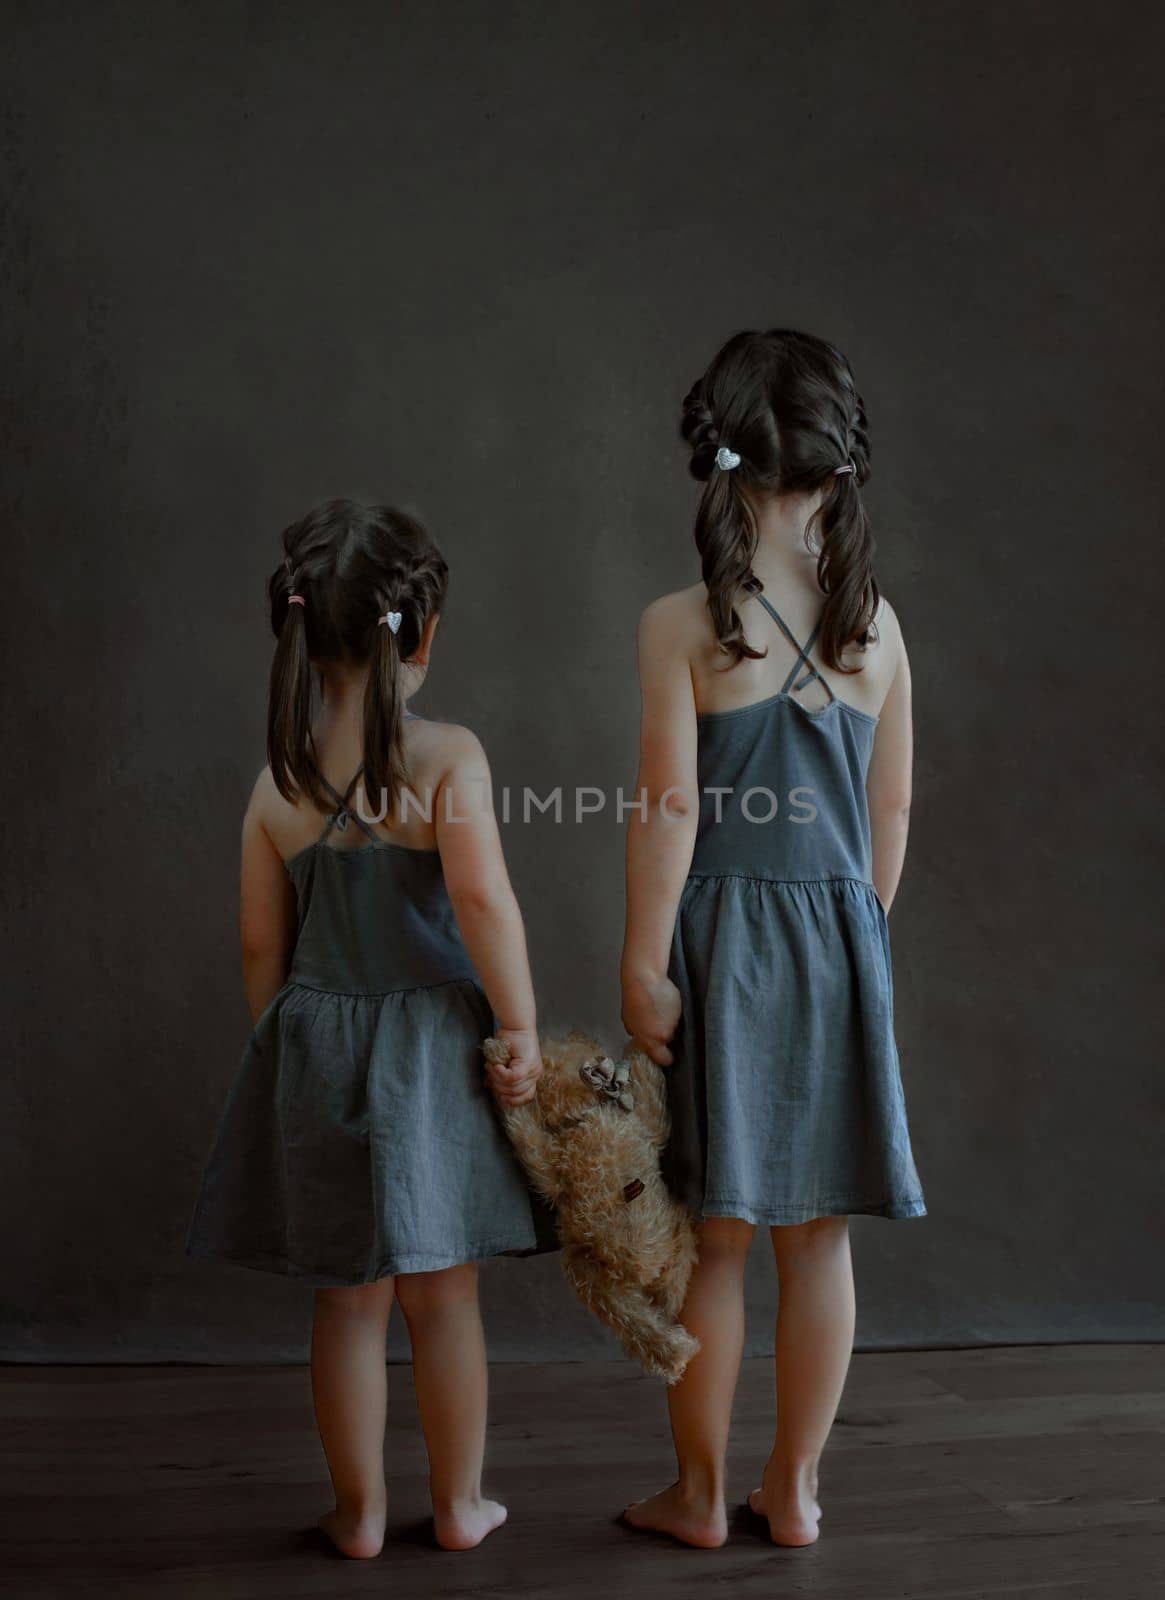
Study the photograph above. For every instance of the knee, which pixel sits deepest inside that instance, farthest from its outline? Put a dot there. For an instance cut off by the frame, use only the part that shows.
(424, 1295)
(806, 1241)
(724, 1240)
(365, 1302)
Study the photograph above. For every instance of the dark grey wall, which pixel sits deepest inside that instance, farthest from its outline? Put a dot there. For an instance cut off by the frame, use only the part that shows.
(469, 258)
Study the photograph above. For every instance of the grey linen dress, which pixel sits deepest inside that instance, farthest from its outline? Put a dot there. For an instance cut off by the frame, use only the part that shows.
(359, 1138)
(786, 1097)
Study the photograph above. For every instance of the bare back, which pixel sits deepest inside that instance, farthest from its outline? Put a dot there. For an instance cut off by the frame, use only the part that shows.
(719, 686)
(432, 749)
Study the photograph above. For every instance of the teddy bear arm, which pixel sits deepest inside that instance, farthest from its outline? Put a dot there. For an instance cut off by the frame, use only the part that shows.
(649, 1087)
(535, 1149)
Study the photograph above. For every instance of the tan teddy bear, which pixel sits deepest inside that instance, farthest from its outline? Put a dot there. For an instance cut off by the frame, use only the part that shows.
(589, 1142)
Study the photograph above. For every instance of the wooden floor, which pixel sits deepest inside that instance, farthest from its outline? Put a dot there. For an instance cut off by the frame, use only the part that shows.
(1032, 1471)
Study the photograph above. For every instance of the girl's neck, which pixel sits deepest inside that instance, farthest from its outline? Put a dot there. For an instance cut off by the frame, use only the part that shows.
(782, 553)
(342, 712)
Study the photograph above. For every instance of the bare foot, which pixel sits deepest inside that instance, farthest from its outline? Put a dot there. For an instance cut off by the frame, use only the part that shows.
(358, 1535)
(695, 1522)
(462, 1524)
(792, 1520)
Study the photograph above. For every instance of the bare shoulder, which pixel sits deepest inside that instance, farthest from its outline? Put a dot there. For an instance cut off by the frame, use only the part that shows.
(444, 748)
(883, 661)
(675, 622)
(891, 641)
(886, 621)
(267, 807)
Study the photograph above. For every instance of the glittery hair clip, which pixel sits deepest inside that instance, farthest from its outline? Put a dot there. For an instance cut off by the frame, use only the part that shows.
(391, 620)
(726, 459)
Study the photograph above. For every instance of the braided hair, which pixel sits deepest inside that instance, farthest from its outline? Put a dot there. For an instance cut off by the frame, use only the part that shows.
(345, 567)
(787, 405)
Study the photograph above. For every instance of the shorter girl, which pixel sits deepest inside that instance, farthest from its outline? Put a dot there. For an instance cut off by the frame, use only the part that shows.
(359, 1150)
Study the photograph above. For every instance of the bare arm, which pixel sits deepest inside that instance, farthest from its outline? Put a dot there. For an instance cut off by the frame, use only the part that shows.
(888, 783)
(487, 912)
(267, 917)
(660, 844)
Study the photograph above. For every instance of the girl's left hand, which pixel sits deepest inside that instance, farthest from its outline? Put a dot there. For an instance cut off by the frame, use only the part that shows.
(651, 1014)
(515, 1081)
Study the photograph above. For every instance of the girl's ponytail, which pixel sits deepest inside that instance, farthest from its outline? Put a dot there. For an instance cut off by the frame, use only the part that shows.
(845, 565)
(726, 532)
(385, 772)
(289, 695)
(845, 571)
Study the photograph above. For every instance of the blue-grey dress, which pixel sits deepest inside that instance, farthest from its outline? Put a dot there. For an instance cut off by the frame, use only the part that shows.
(359, 1138)
(786, 1097)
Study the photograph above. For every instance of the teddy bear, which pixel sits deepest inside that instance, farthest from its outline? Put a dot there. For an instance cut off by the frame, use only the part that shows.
(589, 1142)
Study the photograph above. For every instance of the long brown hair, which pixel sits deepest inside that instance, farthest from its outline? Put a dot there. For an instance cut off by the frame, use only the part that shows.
(350, 565)
(787, 404)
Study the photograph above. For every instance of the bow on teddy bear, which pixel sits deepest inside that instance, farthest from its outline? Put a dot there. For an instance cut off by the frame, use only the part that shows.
(589, 1142)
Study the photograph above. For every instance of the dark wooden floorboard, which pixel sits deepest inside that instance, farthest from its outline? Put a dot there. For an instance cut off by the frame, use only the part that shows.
(951, 1475)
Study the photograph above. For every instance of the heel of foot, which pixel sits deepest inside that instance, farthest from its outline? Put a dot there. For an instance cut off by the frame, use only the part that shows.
(358, 1538)
(791, 1528)
(705, 1526)
(463, 1526)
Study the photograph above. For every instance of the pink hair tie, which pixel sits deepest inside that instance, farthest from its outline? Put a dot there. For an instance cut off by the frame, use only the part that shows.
(839, 472)
(296, 600)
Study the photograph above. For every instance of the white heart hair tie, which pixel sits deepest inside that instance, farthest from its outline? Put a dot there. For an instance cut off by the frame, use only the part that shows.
(391, 620)
(726, 459)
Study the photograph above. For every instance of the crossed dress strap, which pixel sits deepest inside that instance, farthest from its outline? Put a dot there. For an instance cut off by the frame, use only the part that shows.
(343, 814)
(802, 652)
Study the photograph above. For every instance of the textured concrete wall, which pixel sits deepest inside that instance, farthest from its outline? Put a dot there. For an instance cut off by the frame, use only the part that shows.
(469, 258)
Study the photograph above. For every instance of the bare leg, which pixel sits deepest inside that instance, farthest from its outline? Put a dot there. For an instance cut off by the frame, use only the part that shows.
(815, 1335)
(449, 1374)
(350, 1389)
(693, 1509)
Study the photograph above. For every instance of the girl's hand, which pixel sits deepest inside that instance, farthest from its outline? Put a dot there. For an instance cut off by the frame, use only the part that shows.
(662, 836)
(514, 1082)
(651, 1014)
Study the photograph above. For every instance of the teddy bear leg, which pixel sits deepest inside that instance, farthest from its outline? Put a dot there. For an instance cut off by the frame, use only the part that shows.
(670, 1289)
(660, 1345)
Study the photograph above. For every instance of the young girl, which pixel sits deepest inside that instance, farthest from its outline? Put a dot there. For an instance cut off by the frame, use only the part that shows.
(359, 1149)
(776, 755)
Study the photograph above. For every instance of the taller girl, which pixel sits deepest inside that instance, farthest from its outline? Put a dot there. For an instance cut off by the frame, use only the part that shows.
(776, 759)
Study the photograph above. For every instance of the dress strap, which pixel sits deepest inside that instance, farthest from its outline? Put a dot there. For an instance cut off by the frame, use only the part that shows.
(343, 814)
(802, 651)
